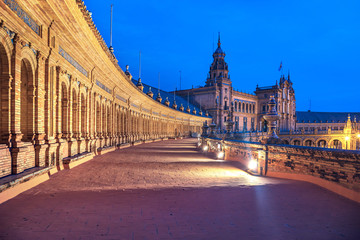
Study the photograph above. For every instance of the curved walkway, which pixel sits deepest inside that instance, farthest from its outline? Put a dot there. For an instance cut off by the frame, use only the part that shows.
(167, 190)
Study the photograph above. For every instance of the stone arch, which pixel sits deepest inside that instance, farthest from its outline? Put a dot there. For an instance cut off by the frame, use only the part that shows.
(109, 117)
(296, 142)
(103, 116)
(321, 143)
(6, 48)
(27, 100)
(83, 116)
(75, 110)
(64, 108)
(97, 117)
(118, 119)
(286, 141)
(28, 54)
(336, 143)
(309, 142)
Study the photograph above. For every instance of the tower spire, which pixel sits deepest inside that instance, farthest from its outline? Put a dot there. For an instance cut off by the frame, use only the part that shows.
(111, 19)
(139, 84)
(139, 64)
(219, 43)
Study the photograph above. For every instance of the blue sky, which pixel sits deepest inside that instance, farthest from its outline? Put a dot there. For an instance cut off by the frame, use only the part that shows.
(317, 40)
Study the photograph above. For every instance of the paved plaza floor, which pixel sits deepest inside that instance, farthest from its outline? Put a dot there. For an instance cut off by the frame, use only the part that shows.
(168, 190)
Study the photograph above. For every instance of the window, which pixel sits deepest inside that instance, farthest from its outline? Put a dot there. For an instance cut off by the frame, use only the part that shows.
(264, 108)
(283, 107)
(245, 123)
(225, 107)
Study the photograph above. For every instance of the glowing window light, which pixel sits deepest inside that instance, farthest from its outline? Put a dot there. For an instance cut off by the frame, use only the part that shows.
(252, 165)
(220, 155)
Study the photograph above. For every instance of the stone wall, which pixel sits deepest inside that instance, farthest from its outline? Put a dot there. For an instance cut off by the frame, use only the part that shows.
(337, 170)
(5, 164)
(338, 166)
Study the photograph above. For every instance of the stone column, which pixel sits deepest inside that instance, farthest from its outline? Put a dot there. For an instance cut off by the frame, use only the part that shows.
(39, 111)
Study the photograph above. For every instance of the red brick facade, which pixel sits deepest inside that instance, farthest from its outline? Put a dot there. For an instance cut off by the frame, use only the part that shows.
(63, 93)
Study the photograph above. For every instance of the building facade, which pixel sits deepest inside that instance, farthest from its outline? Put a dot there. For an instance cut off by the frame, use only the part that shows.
(326, 130)
(218, 97)
(63, 93)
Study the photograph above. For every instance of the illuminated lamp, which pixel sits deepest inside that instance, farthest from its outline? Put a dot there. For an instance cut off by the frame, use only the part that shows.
(220, 155)
(253, 165)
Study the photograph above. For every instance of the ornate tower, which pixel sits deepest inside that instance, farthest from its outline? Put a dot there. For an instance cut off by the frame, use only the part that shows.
(286, 100)
(219, 69)
(219, 79)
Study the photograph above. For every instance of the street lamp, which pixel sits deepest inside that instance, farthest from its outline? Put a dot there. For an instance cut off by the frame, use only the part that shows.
(205, 148)
(220, 155)
(252, 165)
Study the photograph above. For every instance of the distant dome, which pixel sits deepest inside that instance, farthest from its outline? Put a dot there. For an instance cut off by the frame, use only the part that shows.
(219, 50)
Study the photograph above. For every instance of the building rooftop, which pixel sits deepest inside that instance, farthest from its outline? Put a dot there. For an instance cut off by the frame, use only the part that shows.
(331, 117)
(170, 96)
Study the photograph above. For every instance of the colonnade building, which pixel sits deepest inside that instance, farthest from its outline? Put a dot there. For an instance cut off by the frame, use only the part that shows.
(63, 93)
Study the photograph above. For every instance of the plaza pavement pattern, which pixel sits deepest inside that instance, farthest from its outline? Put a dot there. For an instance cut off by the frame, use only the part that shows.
(168, 190)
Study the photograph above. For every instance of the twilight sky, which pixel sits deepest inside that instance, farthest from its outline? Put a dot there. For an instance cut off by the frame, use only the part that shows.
(317, 40)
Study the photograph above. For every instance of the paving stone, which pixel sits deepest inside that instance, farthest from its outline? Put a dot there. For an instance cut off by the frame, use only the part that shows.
(168, 190)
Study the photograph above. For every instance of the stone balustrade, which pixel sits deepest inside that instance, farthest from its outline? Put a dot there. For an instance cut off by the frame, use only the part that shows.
(335, 169)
